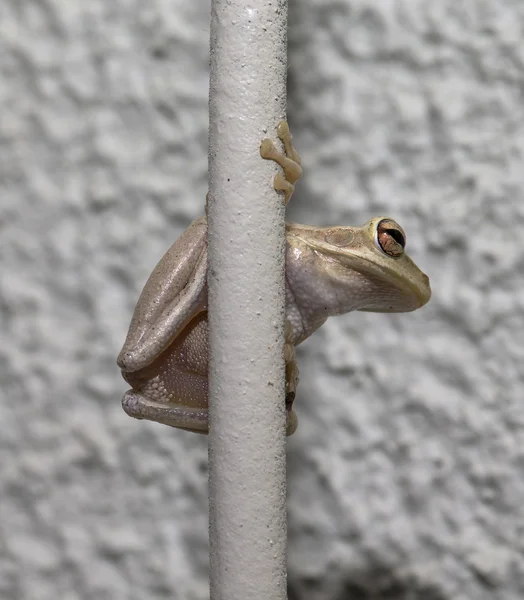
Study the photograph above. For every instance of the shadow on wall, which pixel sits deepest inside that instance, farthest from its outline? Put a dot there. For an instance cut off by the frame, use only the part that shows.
(375, 584)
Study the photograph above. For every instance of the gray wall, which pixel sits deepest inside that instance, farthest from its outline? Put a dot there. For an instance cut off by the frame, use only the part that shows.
(406, 476)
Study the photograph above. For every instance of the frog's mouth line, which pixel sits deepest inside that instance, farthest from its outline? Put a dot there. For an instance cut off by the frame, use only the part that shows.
(367, 265)
(419, 291)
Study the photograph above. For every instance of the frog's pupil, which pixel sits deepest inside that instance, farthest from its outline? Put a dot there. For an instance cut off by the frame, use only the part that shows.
(397, 236)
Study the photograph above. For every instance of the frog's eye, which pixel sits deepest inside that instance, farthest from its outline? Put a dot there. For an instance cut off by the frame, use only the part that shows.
(390, 238)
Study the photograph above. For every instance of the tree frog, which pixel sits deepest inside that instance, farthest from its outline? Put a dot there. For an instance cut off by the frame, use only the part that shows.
(329, 271)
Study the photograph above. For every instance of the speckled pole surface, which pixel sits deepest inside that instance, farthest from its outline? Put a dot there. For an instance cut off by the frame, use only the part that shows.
(247, 474)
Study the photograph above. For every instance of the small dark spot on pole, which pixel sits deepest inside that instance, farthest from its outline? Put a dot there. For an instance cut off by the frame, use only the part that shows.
(159, 53)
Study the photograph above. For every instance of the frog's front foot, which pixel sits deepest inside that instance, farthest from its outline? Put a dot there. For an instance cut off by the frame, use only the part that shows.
(290, 161)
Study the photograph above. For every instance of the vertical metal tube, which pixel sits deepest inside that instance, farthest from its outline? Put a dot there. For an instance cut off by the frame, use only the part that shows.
(248, 534)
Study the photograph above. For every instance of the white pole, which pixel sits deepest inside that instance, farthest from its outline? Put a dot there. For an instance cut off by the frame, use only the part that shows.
(248, 534)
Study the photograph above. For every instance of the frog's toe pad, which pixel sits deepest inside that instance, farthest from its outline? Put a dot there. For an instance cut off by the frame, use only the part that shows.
(292, 423)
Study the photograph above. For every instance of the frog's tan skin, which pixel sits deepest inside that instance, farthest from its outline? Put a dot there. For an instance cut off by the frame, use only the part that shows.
(329, 271)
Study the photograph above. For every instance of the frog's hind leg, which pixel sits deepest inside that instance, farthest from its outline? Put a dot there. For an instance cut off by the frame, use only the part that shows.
(291, 379)
(290, 161)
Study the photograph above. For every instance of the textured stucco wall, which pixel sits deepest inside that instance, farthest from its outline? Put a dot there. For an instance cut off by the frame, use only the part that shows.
(406, 476)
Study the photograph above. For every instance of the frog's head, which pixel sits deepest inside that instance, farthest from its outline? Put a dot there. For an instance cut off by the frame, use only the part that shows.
(383, 251)
(372, 262)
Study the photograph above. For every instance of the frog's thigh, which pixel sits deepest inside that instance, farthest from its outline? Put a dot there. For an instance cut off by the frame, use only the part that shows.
(138, 406)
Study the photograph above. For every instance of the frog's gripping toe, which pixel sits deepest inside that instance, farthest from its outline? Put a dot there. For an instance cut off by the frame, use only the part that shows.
(291, 415)
(289, 161)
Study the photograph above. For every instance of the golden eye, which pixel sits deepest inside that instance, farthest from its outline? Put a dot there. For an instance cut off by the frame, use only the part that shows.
(390, 238)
